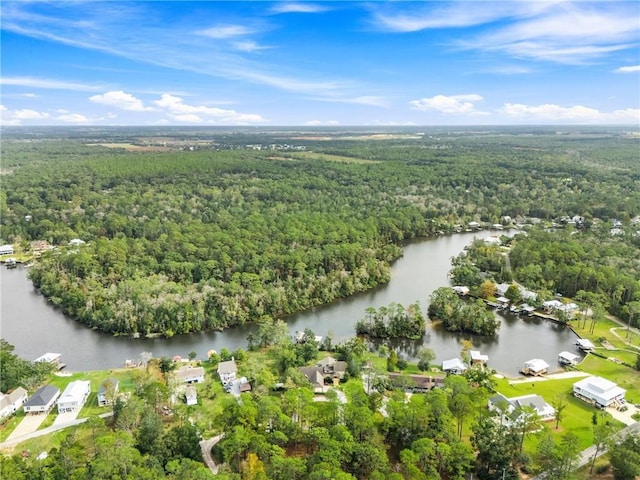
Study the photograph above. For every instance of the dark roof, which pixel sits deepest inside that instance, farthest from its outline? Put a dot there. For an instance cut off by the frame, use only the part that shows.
(42, 396)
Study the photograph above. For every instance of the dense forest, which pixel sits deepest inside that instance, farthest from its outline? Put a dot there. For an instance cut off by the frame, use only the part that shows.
(194, 238)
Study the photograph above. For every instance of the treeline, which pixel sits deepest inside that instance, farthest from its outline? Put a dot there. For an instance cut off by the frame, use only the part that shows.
(592, 266)
(457, 315)
(186, 241)
(393, 321)
(18, 372)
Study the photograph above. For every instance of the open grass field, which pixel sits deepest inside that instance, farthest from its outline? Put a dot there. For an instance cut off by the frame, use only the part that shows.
(330, 158)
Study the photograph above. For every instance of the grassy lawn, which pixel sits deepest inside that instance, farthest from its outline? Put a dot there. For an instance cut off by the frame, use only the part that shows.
(9, 424)
(625, 377)
(577, 415)
(625, 349)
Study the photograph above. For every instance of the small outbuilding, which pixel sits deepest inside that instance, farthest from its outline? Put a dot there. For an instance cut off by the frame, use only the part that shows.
(477, 358)
(568, 358)
(535, 367)
(585, 345)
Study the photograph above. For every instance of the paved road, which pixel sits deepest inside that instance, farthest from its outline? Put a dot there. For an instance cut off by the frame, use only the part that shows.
(12, 442)
(586, 456)
(206, 446)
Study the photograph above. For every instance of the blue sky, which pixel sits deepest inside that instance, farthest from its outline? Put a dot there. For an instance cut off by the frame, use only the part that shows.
(305, 63)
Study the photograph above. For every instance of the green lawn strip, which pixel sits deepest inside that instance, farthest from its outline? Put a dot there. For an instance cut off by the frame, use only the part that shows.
(9, 424)
(625, 377)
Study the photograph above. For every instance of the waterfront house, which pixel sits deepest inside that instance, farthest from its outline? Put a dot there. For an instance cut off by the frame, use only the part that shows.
(6, 249)
(227, 371)
(74, 396)
(535, 367)
(568, 358)
(454, 366)
(328, 367)
(107, 390)
(11, 402)
(189, 374)
(42, 400)
(507, 406)
(599, 391)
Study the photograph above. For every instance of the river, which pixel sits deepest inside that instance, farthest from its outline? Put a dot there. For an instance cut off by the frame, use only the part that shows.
(34, 327)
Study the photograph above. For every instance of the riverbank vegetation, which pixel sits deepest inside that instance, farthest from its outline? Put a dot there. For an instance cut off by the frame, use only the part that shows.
(457, 315)
(213, 233)
(364, 427)
(393, 321)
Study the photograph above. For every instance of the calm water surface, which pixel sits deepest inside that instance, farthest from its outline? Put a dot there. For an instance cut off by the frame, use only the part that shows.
(30, 323)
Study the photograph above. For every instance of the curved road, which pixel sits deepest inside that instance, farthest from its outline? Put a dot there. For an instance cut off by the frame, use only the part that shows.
(206, 446)
(45, 431)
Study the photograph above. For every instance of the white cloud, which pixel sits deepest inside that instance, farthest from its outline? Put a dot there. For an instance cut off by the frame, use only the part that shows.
(226, 31)
(628, 69)
(183, 112)
(557, 33)
(577, 113)
(27, 114)
(249, 46)
(120, 99)
(454, 104)
(48, 83)
(293, 7)
(73, 118)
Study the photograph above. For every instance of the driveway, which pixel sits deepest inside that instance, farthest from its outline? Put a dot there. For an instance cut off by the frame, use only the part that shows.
(65, 418)
(624, 417)
(29, 424)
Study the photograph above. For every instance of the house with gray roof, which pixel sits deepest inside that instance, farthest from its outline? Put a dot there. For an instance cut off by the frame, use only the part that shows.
(506, 407)
(43, 400)
(227, 371)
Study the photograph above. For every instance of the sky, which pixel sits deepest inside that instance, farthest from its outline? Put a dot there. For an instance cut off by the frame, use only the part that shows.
(305, 63)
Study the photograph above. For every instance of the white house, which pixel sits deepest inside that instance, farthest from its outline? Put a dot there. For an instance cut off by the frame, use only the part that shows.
(227, 371)
(535, 366)
(453, 366)
(42, 400)
(189, 374)
(599, 391)
(506, 406)
(6, 249)
(568, 358)
(10, 403)
(107, 388)
(74, 396)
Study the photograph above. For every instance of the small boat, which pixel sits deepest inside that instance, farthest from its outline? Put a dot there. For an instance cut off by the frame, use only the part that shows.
(11, 262)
